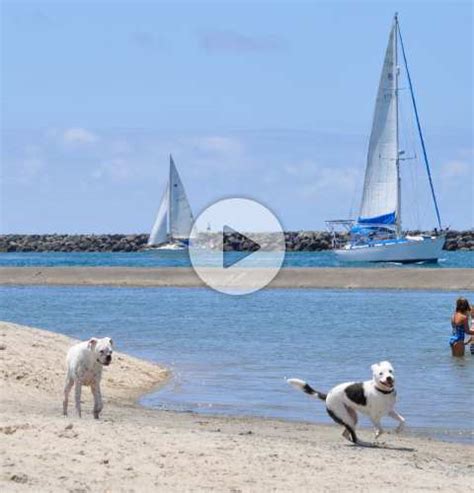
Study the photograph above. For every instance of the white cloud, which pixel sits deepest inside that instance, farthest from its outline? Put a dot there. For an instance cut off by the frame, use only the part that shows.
(31, 167)
(466, 153)
(339, 182)
(303, 169)
(27, 171)
(121, 147)
(116, 169)
(147, 41)
(218, 144)
(315, 178)
(79, 136)
(214, 41)
(455, 169)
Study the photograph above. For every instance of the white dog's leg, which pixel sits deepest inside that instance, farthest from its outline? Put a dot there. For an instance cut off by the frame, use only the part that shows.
(78, 397)
(67, 390)
(98, 405)
(398, 417)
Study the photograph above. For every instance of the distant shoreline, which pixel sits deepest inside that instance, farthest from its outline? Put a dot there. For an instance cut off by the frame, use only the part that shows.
(296, 241)
(317, 278)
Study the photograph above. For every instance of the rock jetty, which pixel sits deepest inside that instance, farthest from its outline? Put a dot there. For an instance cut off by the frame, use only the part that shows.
(295, 241)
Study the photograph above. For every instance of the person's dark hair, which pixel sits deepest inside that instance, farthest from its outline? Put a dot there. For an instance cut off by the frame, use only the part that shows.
(462, 305)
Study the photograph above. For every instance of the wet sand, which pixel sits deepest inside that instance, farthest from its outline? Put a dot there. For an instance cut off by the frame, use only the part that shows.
(136, 449)
(321, 278)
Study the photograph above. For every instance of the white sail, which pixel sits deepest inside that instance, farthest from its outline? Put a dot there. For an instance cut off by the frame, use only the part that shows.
(181, 217)
(159, 232)
(380, 196)
(174, 219)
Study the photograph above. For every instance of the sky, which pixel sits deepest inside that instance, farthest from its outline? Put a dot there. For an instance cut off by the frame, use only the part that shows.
(266, 100)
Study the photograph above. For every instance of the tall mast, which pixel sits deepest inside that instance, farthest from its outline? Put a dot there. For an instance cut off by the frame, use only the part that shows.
(170, 197)
(422, 140)
(399, 181)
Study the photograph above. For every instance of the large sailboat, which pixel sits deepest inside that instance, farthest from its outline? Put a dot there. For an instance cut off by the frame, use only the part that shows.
(376, 235)
(174, 220)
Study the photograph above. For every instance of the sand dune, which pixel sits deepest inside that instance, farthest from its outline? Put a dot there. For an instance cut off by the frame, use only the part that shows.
(136, 449)
(343, 278)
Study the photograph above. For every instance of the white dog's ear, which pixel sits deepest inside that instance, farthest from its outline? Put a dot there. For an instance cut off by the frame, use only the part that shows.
(111, 342)
(374, 367)
(91, 343)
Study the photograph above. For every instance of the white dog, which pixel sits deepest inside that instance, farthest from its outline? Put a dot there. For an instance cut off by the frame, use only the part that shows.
(84, 367)
(375, 398)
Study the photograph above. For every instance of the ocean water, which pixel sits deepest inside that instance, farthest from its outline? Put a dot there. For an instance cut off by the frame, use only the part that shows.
(181, 259)
(230, 354)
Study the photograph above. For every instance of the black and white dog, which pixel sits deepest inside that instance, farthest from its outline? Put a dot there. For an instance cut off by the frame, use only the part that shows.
(375, 398)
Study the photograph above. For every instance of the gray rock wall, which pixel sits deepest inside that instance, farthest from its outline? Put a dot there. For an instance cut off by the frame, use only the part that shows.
(295, 241)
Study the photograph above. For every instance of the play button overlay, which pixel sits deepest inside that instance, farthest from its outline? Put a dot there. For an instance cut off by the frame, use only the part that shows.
(229, 259)
(237, 246)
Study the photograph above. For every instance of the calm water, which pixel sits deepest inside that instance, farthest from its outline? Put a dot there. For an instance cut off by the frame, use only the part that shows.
(181, 259)
(230, 354)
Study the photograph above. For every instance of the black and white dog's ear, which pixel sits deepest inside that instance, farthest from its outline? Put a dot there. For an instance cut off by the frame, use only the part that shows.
(91, 343)
(374, 367)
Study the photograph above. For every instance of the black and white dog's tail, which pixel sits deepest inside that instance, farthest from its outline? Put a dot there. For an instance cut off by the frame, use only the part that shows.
(306, 388)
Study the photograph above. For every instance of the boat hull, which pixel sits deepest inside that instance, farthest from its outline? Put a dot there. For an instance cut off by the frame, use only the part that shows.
(407, 250)
(171, 247)
(175, 245)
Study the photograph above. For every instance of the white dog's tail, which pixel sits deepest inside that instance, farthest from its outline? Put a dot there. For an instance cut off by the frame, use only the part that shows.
(306, 388)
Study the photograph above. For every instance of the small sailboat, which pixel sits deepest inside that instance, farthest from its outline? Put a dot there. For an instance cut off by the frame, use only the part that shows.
(376, 236)
(174, 220)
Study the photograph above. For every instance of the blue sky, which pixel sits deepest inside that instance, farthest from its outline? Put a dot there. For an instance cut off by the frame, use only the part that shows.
(267, 100)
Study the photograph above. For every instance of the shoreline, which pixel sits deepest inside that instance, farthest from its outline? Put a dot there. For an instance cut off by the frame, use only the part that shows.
(365, 431)
(295, 241)
(304, 277)
(439, 436)
(133, 448)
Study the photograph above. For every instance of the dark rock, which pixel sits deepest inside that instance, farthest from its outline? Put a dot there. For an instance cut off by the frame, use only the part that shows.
(19, 478)
(295, 241)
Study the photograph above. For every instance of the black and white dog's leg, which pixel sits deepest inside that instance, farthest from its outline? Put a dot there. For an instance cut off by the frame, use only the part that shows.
(77, 394)
(347, 417)
(98, 405)
(346, 434)
(377, 426)
(398, 417)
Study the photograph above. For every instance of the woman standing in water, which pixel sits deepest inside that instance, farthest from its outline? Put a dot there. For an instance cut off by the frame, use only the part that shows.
(470, 341)
(460, 325)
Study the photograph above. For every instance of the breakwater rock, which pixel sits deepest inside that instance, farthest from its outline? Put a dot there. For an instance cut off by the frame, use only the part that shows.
(295, 241)
(459, 240)
(73, 243)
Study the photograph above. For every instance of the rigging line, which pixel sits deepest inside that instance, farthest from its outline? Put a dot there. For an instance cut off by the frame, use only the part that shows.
(355, 193)
(419, 128)
(418, 208)
(408, 129)
(408, 168)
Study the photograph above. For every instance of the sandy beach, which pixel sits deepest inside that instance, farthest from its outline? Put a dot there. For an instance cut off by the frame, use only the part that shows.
(322, 278)
(136, 449)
